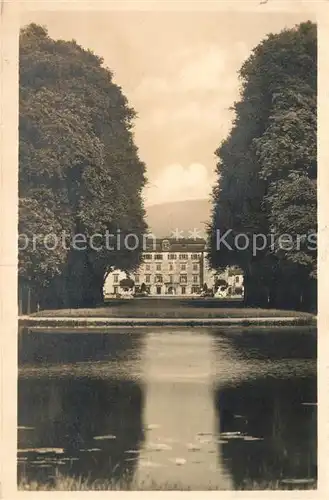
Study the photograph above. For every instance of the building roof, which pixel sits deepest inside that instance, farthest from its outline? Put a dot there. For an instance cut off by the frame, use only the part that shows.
(159, 245)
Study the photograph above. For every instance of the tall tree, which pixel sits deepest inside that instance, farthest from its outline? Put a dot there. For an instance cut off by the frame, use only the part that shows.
(267, 172)
(78, 162)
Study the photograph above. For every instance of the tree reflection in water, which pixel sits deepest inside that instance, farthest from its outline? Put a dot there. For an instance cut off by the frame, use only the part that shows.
(69, 410)
(271, 409)
(69, 414)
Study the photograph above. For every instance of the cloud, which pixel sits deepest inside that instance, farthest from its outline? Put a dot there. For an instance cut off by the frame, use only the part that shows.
(197, 70)
(152, 85)
(190, 117)
(184, 108)
(177, 183)
(204, 71)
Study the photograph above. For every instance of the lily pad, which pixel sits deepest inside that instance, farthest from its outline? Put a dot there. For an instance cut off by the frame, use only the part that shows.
(58, 451)
(91, 449)
(108, 436)
(179, 461)
(231, 435)
(41, 450)
(252, 438)
(298, 481)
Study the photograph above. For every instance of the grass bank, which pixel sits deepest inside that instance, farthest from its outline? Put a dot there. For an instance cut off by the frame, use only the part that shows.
(67, 483)
(168, 308)
(91, 323)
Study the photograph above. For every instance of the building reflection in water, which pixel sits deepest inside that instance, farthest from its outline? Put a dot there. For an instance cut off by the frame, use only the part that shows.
(179, 447)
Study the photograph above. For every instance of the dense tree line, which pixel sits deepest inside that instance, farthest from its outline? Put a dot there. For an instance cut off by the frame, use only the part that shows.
(267, 174)
(79, 169)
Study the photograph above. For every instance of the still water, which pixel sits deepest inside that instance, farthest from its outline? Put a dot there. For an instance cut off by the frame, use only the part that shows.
(198, 408)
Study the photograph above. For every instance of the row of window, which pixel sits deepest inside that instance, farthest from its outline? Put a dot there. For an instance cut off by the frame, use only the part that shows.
(158, 267)
(171, 256)
(158, 278)
(159, 290)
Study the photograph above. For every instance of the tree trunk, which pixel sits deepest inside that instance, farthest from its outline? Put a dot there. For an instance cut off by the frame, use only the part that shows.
(84, 287)
(28, 299)
(256, 291)
(309, 296)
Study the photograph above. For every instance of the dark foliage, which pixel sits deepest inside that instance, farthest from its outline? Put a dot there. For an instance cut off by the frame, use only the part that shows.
(267, 173)
(79, 170)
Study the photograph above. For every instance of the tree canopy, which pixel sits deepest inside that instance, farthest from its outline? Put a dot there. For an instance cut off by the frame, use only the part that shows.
(79, 168)
(267, 172)
(127, 283)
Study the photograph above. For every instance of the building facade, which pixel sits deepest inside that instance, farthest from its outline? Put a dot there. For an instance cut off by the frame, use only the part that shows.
(169, 267)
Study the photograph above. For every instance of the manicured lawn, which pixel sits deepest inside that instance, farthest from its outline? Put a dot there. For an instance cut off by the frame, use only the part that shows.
(171, 308)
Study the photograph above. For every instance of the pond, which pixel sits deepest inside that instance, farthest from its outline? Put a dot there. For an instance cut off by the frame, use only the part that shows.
(193, 408)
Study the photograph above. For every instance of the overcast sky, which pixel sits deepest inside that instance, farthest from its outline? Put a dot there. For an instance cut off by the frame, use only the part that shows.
(179, 71)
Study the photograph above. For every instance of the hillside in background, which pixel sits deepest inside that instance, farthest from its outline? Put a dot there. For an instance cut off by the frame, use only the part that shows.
(184, 215)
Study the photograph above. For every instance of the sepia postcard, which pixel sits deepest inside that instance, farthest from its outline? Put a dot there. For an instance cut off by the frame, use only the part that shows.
(163, 248)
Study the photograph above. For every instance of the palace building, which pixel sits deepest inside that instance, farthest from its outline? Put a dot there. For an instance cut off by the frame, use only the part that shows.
(169, 267)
